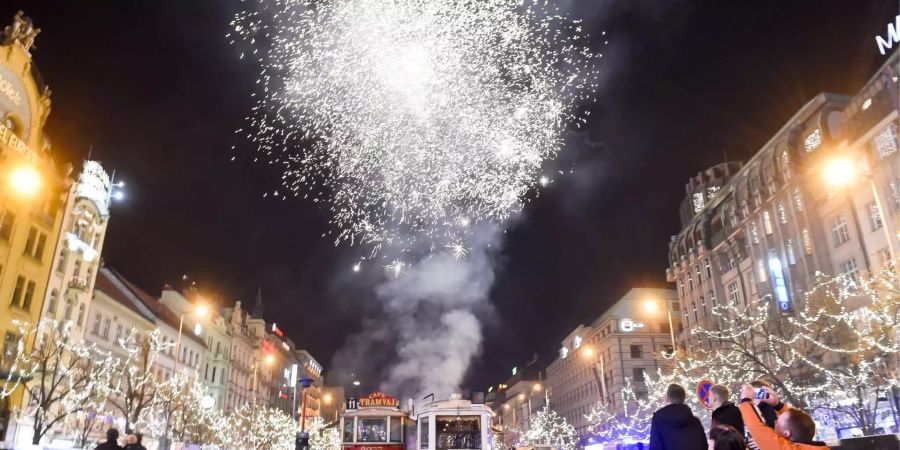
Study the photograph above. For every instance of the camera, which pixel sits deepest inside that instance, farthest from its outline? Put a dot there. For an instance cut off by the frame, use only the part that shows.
(761, 393)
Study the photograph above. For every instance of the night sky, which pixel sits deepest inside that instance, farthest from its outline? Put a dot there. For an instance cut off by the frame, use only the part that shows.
(157, 91)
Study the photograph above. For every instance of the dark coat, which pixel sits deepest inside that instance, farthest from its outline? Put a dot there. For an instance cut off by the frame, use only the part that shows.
(108, 445)
(674, 427)
(728, 414)
(135, 447)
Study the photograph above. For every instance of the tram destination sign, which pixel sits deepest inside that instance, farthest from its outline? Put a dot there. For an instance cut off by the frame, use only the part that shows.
(378, 399)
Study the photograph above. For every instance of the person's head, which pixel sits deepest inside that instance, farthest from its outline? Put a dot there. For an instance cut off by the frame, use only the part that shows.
(725, 437)
(796, 425)
(112, 435)
(761, 383)
(131, 439)
(675, 394)
(718, 395)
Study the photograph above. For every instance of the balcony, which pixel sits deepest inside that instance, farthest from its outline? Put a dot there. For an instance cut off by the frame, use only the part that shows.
(78, 283)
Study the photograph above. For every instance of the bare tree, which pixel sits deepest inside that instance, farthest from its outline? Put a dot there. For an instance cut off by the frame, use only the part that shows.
(59, 376)
(133, 390)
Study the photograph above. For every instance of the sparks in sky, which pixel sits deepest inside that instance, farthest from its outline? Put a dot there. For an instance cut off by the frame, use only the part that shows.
(412, 119)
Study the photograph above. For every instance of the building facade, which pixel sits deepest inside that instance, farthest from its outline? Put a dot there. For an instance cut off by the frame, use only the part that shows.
(517, 399)
(310, 369)
(77, 253)
(764, 229)
(628, 342)
(244, 359)
(32, 197)
(210, 326)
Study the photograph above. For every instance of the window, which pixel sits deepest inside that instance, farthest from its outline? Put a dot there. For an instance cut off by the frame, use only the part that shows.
(734, 294)
(63, 255)
(885, 256)
(767, 222)
(106, 323)
(29, 244)
(664, 327)
(875, 216)
(81, 315)
(29, 295)
(807, 242)
(895, 193)
(41, 244)
(637, 351)
(839, 233)
(761, 271)
(368, 429)
(694, 311)
(798, 199)
(68, 314)
(51, 305)
(712, 298)
(396, 429)
(18, 292)
(119, 331)
(6, 225)
(781, 211)
(10, 347)
(703, 306)
(698, 201)
(885, 142)
(850, 269)
(455, 432)
(754, 232)
(789, 248)
(699, 275)
(813, 141)
(637, 374)
(348, 429)
(690, 280)
(96, 329)
(708, 268)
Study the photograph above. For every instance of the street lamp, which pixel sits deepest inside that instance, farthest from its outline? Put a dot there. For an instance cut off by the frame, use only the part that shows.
(652, 307)
(839, 173)
(25, 180)
(199, 311)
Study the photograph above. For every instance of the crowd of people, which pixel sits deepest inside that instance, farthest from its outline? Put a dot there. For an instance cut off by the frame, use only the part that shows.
(114, 442)
(760, 421)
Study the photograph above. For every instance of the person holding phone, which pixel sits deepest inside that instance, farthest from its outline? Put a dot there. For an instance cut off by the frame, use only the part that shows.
(794, 428)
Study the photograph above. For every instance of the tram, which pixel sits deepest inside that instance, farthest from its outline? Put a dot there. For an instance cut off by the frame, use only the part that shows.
(454, 424)
(376, 423)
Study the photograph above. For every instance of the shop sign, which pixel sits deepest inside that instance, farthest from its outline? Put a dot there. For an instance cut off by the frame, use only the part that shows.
(18, 145)
(378, 399)
(893, 37)
(628, 325)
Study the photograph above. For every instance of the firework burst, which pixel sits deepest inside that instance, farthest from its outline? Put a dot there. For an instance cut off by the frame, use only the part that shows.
(414, 121)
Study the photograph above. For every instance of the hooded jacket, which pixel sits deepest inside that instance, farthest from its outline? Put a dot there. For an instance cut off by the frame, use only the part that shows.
(674, 427)
(728, 414)
(767, 438)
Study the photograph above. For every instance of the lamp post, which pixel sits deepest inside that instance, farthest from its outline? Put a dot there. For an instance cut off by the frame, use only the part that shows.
(841, 172)
(652, 307)
(199, 311)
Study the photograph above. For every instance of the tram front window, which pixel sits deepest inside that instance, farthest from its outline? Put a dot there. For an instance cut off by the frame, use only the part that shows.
(396, 429)
(348, 429)
(458, 432)
(372, 429)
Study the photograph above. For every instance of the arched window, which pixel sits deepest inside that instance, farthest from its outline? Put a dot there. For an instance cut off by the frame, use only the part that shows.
(13, 123)
(69, 306)
(81, 315)
(51, 309)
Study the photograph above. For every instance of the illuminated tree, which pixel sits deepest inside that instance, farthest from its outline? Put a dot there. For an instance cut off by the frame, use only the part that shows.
(253, 427)
(549, 429)
(608, 424)
(59, 375)
(133, 390)
(322, 437)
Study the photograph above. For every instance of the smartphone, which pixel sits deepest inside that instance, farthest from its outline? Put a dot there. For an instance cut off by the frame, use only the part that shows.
(761, 393)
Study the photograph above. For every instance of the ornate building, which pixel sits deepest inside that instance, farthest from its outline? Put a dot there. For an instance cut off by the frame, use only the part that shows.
(32, 196)
(823, 195)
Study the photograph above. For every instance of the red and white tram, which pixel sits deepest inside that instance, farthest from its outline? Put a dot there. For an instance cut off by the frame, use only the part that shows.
(375, 423)
(454, 424)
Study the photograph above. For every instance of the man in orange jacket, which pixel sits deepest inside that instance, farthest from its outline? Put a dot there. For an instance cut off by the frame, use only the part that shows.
(794, 429)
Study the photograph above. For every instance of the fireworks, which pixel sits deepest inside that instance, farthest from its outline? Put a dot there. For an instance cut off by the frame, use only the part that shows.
(414, 120)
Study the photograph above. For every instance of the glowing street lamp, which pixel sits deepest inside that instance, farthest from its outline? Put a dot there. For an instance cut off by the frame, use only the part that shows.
(839, 173)
(652, 307)
(200, 312)
(25, 180)
(587, 353)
